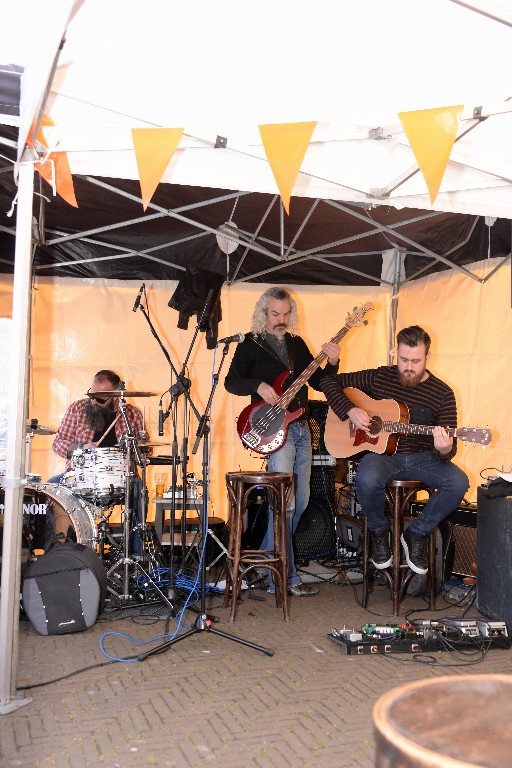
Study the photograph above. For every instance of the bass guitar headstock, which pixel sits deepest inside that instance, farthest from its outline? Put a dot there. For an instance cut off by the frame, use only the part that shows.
(356, 317)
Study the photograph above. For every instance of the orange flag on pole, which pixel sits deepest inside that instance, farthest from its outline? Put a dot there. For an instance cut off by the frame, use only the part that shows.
(154, 148)
(431, 134)
(56, 168)
(285, 146)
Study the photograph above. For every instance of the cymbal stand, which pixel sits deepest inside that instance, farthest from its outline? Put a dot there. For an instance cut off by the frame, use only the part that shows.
(203, 622)
(126, 562)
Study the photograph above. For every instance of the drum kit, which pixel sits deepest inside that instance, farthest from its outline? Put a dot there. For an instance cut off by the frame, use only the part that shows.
(80, 507)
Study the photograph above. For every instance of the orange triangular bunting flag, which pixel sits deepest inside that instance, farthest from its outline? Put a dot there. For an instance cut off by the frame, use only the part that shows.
(285, 145)
(154, 148)
(63, 179)
(431, 133)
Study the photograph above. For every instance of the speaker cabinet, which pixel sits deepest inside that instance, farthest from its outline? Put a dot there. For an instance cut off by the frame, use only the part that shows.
(315, 536)
(494, 558)
(316, 420)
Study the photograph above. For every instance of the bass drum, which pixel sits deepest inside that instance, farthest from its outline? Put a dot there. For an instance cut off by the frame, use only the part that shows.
(49, 510)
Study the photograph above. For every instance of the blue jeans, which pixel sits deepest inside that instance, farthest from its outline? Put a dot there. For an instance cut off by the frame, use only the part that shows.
(294, 457)
(375, 470)
(56, 478)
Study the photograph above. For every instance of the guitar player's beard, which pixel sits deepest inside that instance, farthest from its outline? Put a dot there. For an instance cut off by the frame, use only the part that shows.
(410, 380)
(279, 330)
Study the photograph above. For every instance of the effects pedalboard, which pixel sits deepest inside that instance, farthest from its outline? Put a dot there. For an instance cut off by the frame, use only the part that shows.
(420, 636)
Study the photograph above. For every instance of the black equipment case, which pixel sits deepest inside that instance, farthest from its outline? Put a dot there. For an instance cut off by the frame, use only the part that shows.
(64, 590)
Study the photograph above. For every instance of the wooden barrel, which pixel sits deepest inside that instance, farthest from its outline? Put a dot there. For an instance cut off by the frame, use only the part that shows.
(449, 722)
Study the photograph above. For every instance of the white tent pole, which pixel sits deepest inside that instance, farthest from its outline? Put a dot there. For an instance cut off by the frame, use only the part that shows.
(397, 275)
(15, 479)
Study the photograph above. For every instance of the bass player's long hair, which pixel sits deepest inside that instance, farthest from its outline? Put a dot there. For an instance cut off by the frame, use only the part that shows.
(259, 317)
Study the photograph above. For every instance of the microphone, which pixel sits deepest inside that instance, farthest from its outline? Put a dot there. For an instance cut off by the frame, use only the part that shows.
(160, 420)
(228, 339)
(137, 300)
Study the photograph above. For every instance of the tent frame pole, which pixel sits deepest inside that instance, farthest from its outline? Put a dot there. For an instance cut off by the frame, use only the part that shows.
(15, 478)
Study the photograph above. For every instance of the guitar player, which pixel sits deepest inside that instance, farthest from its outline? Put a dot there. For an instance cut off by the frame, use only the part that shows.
(271, 348)
(425, 457)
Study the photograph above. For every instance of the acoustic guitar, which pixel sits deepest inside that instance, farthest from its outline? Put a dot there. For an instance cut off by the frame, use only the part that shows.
(263, 427)
(389, 420)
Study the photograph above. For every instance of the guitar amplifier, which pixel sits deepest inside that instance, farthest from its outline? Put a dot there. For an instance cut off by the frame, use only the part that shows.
(463, 523)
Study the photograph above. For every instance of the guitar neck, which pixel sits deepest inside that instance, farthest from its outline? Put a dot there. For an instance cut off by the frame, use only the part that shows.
(413, 429)
(299, 382)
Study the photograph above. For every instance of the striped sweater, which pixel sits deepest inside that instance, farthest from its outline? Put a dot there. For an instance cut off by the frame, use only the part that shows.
(432, 402)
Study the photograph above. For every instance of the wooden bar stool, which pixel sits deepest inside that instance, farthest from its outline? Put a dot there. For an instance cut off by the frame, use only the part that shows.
(399, 494)
(239, 562)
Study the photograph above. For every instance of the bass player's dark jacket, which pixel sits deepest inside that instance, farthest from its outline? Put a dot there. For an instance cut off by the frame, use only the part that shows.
(255, 361)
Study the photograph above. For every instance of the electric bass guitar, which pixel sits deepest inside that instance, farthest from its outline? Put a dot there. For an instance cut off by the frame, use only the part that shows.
(263, 427)
(389, 420)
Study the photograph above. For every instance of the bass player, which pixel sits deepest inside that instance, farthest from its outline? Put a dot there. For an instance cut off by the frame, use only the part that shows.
(271, 348)
(425, 457)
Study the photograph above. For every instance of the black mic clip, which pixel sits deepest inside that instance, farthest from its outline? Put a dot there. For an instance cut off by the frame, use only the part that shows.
(181, 386)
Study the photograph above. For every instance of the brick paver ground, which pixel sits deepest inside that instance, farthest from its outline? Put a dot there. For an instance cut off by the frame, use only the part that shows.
(210, 701)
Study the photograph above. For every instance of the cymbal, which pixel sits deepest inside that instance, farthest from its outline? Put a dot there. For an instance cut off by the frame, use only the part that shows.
(121, 393)
(151, 445)
(40, 430)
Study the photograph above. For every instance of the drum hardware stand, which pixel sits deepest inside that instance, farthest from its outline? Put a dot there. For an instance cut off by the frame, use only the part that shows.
(145, 532)
(104, 533)
(126, 561)
(203, 623)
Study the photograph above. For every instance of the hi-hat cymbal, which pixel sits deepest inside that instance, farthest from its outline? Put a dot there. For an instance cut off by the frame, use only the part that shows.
(151, 445)
(121, 393)
(40, 430)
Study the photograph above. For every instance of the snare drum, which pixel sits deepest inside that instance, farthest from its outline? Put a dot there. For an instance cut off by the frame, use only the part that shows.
(48, 510)
(99, 473)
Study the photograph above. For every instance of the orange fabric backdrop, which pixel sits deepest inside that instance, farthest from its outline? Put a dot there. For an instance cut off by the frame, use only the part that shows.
(79, 326)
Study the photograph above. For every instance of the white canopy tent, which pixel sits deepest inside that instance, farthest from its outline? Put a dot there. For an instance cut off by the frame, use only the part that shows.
(221, 70)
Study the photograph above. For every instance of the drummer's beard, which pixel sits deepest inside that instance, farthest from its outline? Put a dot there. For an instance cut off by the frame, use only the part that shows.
(98, 418)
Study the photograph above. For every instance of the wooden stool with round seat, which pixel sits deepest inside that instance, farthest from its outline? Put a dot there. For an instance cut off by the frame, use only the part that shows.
(277, 486)
(399, 494)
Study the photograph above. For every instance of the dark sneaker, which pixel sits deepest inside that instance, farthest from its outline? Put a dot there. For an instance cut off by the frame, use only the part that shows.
(302, 590)
(415, 547)
(381, 553)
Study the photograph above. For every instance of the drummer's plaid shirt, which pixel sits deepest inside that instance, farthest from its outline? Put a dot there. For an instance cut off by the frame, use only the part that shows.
(74, 429)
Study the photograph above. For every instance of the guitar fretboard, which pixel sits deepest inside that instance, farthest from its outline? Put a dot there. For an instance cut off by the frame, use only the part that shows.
(290, 393)
(413, 429)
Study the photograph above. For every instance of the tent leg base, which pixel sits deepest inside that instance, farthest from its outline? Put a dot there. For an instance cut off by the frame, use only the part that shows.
(14, 704)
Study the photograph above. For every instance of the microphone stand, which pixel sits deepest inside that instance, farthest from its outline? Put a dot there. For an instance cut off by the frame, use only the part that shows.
(182, 385)
(203, 622)
(175, 392)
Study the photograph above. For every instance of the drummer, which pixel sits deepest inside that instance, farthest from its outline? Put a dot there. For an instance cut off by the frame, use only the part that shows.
(96, 420)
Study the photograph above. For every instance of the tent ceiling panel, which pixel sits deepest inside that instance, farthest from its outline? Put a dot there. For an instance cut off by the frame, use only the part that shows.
(320, 242)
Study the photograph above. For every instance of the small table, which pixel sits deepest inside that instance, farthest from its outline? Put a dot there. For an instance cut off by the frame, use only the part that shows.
(161, 506)
(192, 526)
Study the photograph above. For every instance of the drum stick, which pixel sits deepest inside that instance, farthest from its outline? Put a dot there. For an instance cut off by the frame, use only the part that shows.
(107, 431)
